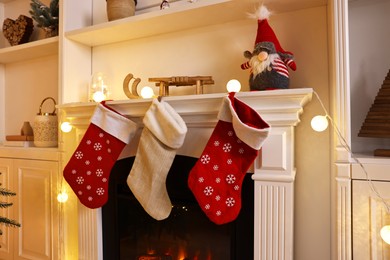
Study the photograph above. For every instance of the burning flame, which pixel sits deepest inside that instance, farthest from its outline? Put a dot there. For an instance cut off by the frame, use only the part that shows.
(181, 254)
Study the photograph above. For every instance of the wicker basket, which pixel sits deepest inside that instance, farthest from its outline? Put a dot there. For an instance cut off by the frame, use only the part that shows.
(118, 9)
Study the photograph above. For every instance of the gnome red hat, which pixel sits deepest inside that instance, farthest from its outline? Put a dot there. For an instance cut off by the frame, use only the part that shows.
(266, 34)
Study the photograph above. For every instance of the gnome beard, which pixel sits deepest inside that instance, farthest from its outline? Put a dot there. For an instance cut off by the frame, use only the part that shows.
(268, 71)
(259, 66)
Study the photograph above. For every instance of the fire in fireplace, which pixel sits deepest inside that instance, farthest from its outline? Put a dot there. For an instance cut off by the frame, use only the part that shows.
(129, 233)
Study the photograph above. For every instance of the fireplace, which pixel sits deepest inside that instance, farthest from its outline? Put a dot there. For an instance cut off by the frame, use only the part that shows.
(273, 171)
(130, 233)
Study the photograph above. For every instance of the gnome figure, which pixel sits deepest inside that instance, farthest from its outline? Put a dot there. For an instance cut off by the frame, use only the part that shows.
(268, 62)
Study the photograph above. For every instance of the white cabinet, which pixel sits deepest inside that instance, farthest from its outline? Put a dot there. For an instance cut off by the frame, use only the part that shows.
(6, 181)
(35, 207)
(369, 216)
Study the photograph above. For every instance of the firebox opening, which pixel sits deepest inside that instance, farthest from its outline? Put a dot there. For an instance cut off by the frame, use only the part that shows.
(129, 233)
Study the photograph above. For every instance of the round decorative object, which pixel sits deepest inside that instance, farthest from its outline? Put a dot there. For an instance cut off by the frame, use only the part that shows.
(46, 127)
(118, 9)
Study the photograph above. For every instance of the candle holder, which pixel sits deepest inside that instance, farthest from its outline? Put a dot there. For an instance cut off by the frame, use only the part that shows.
(98, 89)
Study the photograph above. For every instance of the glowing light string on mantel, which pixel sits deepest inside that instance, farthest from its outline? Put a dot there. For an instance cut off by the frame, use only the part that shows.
(385, 231)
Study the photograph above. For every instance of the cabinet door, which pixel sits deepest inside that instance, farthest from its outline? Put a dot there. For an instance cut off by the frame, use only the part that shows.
(35, 209)
(368, 217)
(6, 239)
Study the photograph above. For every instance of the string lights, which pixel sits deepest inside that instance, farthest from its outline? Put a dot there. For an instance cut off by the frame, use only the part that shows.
(320, 124)
(233, 85)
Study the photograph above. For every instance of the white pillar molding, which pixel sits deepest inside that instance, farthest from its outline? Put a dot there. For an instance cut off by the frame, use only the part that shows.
(341, 173)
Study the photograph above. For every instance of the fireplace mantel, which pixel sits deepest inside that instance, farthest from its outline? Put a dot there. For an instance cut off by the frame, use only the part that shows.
(273, 171)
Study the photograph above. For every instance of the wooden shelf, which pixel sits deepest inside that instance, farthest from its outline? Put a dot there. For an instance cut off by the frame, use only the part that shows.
(30, 50)
(182, 17)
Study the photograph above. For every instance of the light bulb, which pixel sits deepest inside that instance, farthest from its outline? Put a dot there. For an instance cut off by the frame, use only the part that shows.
(98, 96)
(147, 92)
(319, 123)
(233, 85)
(385, 234)
(62, 197)
(66, 127)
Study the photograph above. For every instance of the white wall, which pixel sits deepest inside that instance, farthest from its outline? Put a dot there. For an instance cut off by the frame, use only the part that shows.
(217, 51)
(369, 37)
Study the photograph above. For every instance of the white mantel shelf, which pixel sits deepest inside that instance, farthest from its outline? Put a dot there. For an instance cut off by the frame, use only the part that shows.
(278, 107)
(273, 171)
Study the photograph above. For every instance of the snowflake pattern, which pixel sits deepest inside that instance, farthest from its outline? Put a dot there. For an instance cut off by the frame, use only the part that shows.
(201, 179)
(99, 172)
(101, 135)
(218, 180)
(79, 155)
(89, 172)
(74, 171)
(230, 133)
(218, 213)
(236, 187)
(80, 192)
(89, 187)
(227, 147)
(208, 191)
(230, 202)
(90, 198)
(207, 206)
(205, 159)
(217, 198)
(215, 167)
(104, 179)
(216, 143)
(108, 150)
(241, 150)
(99, 158)
(97, 146)
(80, 180)
(88, 142)
(87, 162)
(229, 161)
(100, 191)
(230, 179)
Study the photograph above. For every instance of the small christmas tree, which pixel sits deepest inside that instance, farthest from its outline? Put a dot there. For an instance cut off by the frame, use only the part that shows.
(46, 17)
(4, 220)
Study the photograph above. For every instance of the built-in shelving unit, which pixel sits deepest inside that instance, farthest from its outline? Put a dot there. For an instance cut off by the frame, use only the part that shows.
(189, 15)
(30, 50)
(28, 72)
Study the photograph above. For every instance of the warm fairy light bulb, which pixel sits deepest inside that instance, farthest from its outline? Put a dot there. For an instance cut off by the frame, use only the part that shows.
(62, 197)
(66, 127)
(319, 123)
(147, 92)
(233, 85)
(385, 234)
(98, 96)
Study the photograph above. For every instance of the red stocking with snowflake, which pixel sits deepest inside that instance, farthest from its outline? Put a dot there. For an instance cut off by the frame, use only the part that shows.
(216, 179)
(88, 170)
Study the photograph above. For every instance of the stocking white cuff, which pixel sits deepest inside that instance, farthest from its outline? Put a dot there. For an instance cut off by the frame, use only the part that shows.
(252, 136)
(166, 124)
(113, 123)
